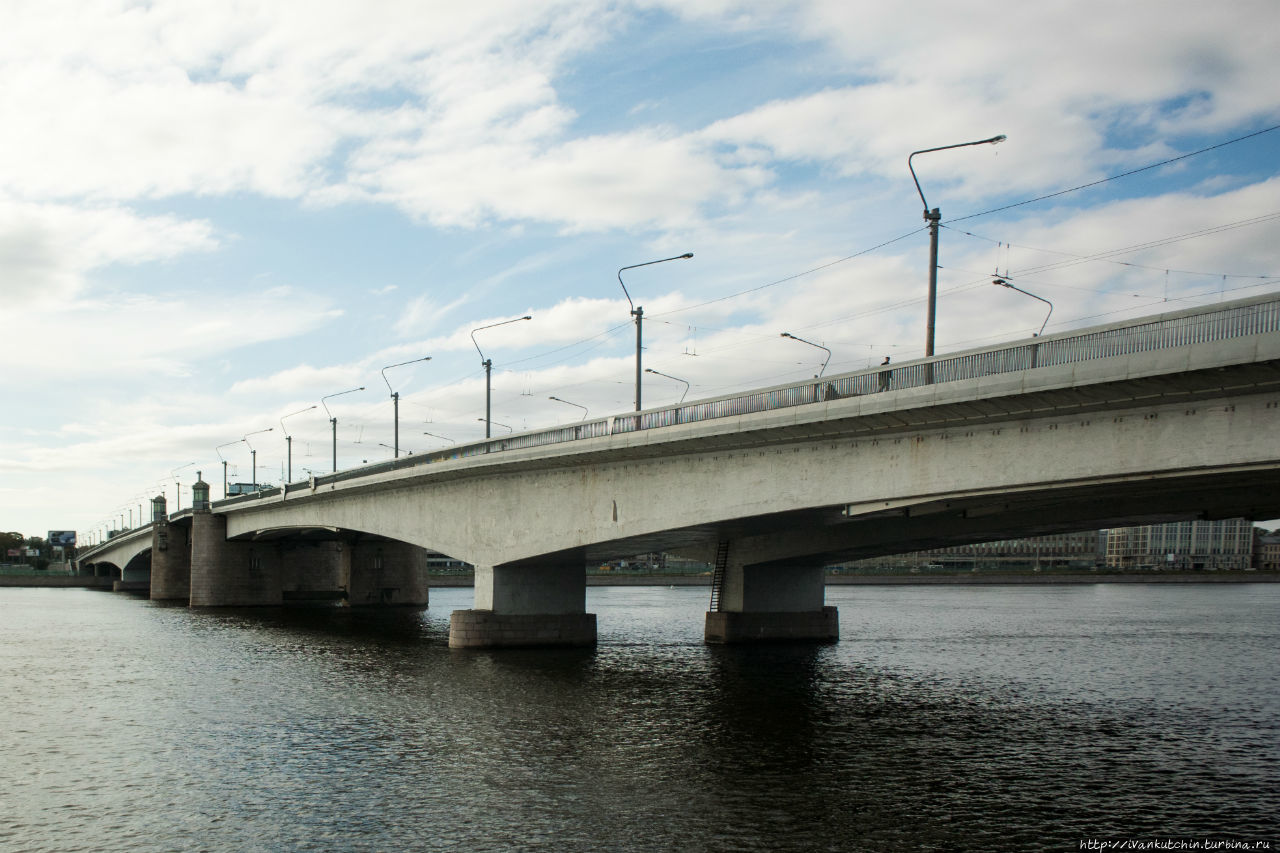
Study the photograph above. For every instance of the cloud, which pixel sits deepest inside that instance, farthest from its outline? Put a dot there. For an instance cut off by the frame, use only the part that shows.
(301, 381)
(47, 250)
(138, 335)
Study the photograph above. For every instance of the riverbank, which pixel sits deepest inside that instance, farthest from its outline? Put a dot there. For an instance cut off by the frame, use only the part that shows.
(909, 580)
(969, 578)
(78, 581)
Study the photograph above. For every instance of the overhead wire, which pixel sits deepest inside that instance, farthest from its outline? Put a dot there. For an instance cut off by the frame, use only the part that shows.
(1117, 177)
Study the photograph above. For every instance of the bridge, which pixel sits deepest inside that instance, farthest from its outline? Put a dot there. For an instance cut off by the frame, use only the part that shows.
(1168, 417)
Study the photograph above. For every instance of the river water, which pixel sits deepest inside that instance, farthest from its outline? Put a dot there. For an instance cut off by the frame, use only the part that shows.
(947, 718)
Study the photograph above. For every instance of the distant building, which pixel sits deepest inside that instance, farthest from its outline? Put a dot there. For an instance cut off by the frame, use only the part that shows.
(1081, 550)
(1227, 544)
(1182, 545)
(1267, 552)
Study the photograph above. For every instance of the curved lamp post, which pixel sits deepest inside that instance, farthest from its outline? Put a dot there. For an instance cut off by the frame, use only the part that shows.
(1004, 283)
(669, 376)
(441, 437)
(333, 421)
(495, 423)
(218, 450)
(487, 364)
(933, 217)
(638, 312)
(812, 344)
(395, 399)
(254, 453)
(288, 443)
(575, 405)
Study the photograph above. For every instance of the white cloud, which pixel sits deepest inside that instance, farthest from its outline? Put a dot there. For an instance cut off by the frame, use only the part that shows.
(136, 335)
(47, 250)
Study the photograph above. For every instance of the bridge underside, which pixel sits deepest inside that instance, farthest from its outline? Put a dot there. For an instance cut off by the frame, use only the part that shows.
(841, 533)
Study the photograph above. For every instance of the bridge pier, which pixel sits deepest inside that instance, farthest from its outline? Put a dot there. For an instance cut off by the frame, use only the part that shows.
(231, 574)
(542, 605)
(760, 603)
(385, 572)
(170, 562)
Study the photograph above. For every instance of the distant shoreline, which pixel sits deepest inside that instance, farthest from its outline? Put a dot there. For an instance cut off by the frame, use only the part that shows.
(967, 578)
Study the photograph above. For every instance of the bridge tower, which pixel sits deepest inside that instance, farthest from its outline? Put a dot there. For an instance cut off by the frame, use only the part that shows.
(226, 573)
(170, 556)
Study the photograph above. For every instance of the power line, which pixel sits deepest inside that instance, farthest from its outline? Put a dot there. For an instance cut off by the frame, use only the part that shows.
(1150, 244)
(1214, 229)
(1117, 177)
(790, 277)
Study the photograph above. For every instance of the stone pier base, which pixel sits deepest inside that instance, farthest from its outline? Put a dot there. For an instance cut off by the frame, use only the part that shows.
(814, 626)
(484, 629)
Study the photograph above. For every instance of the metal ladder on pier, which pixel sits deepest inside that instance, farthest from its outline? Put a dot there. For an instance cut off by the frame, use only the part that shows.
(717, 574)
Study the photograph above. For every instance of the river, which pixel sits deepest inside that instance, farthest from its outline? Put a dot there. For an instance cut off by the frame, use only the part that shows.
(1006, 718)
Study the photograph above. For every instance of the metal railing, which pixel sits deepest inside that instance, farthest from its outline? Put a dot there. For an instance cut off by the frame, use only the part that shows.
(1192, 326)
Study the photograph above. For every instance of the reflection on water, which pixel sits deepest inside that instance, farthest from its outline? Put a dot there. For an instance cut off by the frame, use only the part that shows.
(1012, 718)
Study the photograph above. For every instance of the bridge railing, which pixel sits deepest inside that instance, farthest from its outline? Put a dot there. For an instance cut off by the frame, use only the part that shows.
(1192, 326)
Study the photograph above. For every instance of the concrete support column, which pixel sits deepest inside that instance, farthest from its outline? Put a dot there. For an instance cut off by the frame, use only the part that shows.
(771, 603)
(170, 562)
(541, 605)
(386, 572)
(230, 574)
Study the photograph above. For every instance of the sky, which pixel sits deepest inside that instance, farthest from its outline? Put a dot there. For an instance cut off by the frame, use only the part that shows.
(214, 215)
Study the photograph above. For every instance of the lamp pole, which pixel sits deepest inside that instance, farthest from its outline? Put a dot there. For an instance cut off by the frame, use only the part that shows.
(288, 442)
(218, 450)
(669, 376)
(812, 344)
(333, 421)
(495, 423)
(487, 364)
(576, 405)
(395, 400)
(177, 484)
(1002, 282)
(254, 453)
(441, 437)
(933, 217)
(638, 312)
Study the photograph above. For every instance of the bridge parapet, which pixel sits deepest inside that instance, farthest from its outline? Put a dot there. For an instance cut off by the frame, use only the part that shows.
(1239, 319)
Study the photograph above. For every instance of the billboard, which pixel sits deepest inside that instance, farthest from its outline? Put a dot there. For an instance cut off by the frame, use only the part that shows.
(62, 538)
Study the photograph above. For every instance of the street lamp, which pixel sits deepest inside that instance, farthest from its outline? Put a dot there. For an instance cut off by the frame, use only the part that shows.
(1003, 283)
(396, 449)
(812, 344)
(495, 423)
(395, 399)
(669, 376)
(288, 442)
(254, 453)
(638, 313)
(487, 364)
(933, 217)
(178, 485)
(441, 437)
(567, 403)
(333, 421)
(218, 450)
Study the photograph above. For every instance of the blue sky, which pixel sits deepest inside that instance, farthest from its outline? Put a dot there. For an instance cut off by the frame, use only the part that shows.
(214, 214)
